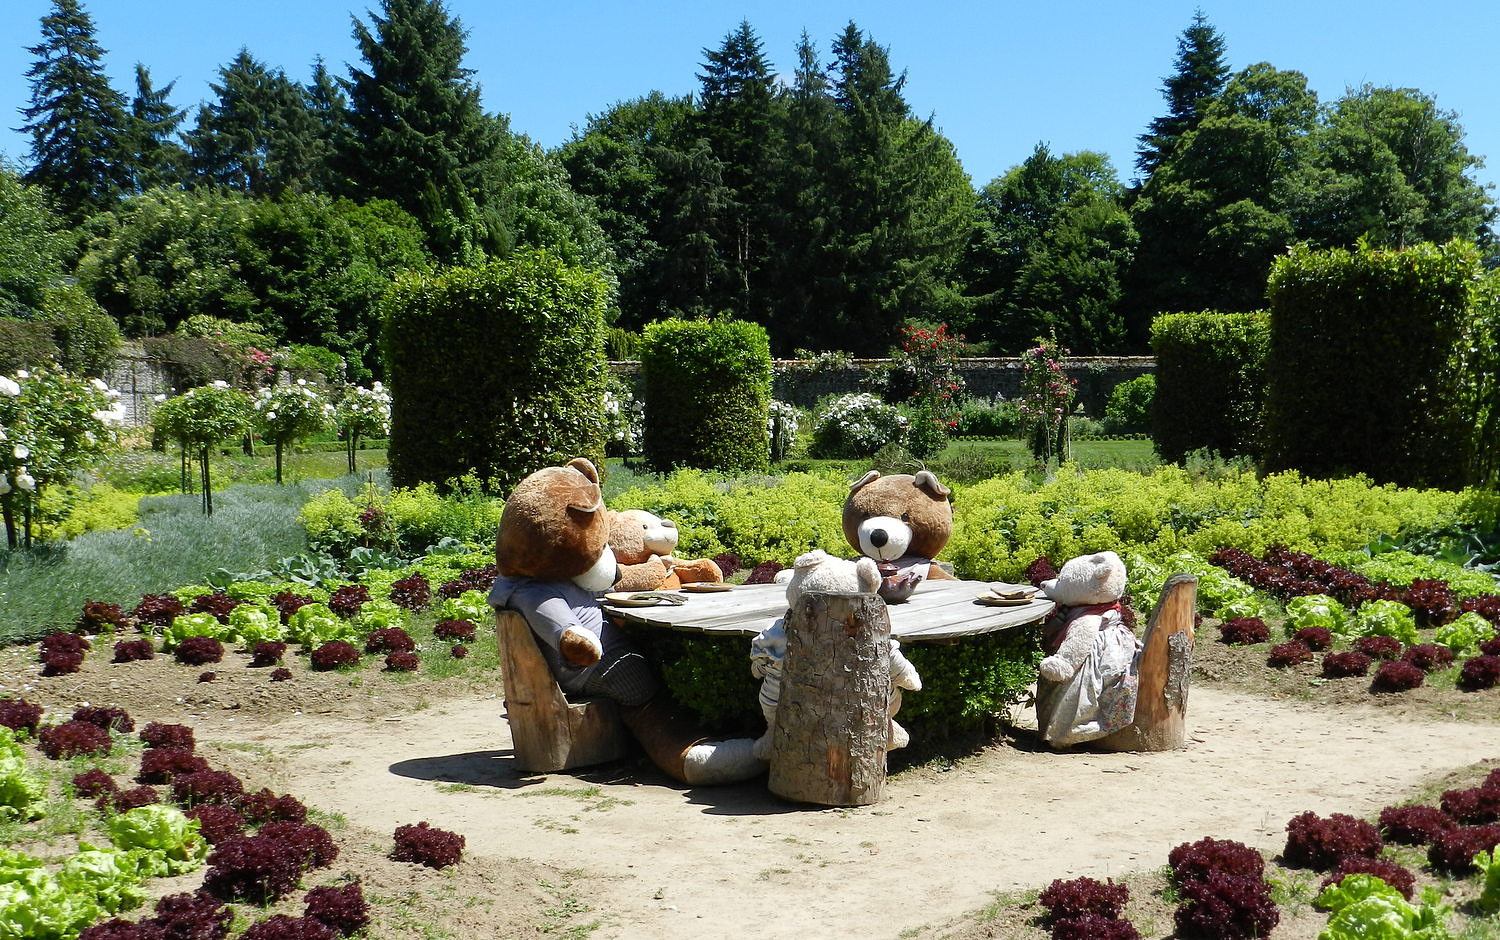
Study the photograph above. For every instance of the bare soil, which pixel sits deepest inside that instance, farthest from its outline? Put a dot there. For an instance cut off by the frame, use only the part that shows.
(621, 852)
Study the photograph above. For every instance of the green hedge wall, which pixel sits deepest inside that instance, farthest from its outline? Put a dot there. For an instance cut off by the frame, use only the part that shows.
(24, 344)
(707, 390)
(1364, 373)
(1210, 383)
(496, 370)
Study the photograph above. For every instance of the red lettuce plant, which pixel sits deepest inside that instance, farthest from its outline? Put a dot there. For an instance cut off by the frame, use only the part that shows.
(333, 654)
(199, 651)
(1393, 874)
(257, 869)
(1428, 657)
(218, 604)
(263, 806)
(1397, 676)
(763, 573)
(1244, 631)
(288, 603)
(1320, 844)
(1472, 806)
(123, 801)
(267, 653)
(20, 715)
(1379, 647)
(99, 617)
(1485, 605)
(217, 822)
(1293, 653)
(287, 927)
(1452, 851)
(165, 764)
(1083, 896)
(461, 631)
(346, 601)
(107, 717)
(1490, 647)
(426, 845)
(1041, 569)
(73, 738)
(133, 651)
(280, 675)
(62, 653)
(1432, 602)
(94, 783)
(412, 593)
(402, 662)
(1413, 825)
(157, 610)
(207, 676)
(195, 916)
(1094, 927)
(207, 786)
(1221, 906)
(389, 640)
(1345, 665)
(342, 908)
(471, 579)
(458, 651)
(312, 842)
(156, 734)
(729, 564)
(1481, 672)
(1191, 861)
(117, 928)
(1317, 639)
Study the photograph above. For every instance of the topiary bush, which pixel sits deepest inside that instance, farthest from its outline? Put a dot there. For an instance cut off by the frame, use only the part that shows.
(1128, 410)
(496, 370)
(1210, 383)
(706, 385)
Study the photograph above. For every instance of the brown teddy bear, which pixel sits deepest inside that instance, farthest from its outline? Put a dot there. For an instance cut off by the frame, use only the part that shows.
(553, 556)
(643, 544)
(902, 521)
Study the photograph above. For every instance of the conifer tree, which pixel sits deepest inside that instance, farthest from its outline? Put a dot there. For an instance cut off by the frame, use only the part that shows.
(258, 136)
(329, 108)
(1199, 78)
(76, 119)
(159, 159)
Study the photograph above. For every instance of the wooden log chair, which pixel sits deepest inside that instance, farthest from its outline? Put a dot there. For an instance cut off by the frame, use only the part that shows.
(549, 731)
(1166, 660)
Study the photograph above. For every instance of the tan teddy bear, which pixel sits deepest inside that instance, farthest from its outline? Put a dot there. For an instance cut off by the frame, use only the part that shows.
(902, 521)
(642, 543)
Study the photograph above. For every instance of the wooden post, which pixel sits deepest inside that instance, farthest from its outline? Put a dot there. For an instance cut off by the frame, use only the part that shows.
(551, 733)
(1161, 704)
(831, 731)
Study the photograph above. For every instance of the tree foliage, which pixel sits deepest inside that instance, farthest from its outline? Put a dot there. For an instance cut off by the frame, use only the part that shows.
(1198, 78)
(33, 245)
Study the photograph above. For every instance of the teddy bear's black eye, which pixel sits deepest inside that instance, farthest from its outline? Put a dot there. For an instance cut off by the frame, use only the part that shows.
(906, 517)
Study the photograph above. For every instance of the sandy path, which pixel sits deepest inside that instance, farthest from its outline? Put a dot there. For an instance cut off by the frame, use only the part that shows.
(659, 861)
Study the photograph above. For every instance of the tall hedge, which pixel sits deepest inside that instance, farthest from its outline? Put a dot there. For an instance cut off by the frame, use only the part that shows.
(498, 370)
(1210, 383)
(707, 390)
(1366, 373)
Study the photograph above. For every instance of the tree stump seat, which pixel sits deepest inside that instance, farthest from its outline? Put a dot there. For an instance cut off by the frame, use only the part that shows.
(551, 732)
(1166, 661)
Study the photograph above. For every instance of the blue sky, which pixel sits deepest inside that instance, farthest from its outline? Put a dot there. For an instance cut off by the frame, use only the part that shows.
(997, 77)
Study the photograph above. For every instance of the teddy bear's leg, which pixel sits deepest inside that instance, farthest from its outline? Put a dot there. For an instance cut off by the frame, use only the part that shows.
(697, 570)
(674, 744)
(763, 743)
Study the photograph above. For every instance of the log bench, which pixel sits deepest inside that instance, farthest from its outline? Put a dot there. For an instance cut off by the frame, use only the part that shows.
(551, 732)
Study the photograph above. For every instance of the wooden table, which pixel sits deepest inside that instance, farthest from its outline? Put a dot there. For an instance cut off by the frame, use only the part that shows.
(937, 610)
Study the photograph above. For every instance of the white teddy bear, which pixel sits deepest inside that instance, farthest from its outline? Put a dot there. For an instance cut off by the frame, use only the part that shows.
(819, 571)
(1087, 684)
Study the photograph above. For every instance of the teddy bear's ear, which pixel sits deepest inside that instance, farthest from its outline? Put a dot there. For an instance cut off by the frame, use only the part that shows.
(864, 481)
(928, 483)
(586, 467)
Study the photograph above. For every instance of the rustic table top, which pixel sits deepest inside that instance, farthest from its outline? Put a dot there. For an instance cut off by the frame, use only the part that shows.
(937, 610)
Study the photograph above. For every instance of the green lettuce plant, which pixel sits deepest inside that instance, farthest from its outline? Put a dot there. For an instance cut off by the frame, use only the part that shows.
(1315, 610)
(168, 841)
(1464, 635)
(1366, 908)
(1384, 618)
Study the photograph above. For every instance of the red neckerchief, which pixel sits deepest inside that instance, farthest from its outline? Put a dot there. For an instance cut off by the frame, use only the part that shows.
(1056, 626)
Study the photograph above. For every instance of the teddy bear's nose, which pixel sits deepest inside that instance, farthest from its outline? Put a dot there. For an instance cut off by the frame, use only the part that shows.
(878, 538)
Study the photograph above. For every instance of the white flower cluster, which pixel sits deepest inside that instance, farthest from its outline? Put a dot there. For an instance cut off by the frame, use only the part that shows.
(782, 421)
(624, 420)
(364, 410)
(858, 424)
(53, 419)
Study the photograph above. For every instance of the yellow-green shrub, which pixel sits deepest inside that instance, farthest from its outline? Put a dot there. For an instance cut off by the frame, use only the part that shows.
(102, 507)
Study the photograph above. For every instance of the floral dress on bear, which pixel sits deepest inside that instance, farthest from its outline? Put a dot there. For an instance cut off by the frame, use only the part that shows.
(1099, 698)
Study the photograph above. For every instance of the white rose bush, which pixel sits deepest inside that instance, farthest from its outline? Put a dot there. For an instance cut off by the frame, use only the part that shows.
(197, 420)
(52, 425)
(285, 414)
(362, 413)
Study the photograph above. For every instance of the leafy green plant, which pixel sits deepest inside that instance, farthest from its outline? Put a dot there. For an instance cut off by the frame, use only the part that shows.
(1366, 908)
(707, 389)
(1384, 618)
(855, 425)
(1210, 383)
(1128, 410)
(1315, 610)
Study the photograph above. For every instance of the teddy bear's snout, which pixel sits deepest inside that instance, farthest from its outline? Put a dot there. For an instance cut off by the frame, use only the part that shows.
(884, 538)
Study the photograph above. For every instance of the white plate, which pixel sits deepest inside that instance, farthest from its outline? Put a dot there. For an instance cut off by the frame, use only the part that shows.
(706, 587)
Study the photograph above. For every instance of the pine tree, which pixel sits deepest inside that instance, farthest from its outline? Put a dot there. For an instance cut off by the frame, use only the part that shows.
(1199, 78)
(329, 108)
(76, 119)
(418, 135)
(258, 137)
(159, 159)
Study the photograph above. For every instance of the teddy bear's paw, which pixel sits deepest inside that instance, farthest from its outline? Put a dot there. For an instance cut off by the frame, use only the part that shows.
(580, 647)
(1055, 669)
(899, 736)
(762, 746)
(716, 762)
(904, 675)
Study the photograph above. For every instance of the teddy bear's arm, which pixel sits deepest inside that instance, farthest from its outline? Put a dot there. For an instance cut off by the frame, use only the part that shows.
(648, 575)
(1075, 648)
(555, 623)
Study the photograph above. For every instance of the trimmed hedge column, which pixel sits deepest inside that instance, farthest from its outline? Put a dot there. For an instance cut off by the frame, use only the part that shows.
(497, 370)
(707, 389)
(1365, 371)
(1210, 383)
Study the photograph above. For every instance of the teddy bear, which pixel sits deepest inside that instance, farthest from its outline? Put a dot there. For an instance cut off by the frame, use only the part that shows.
(553, 557)
(819, 571)
(1086, 687)
(643, 544)
(901, 521)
